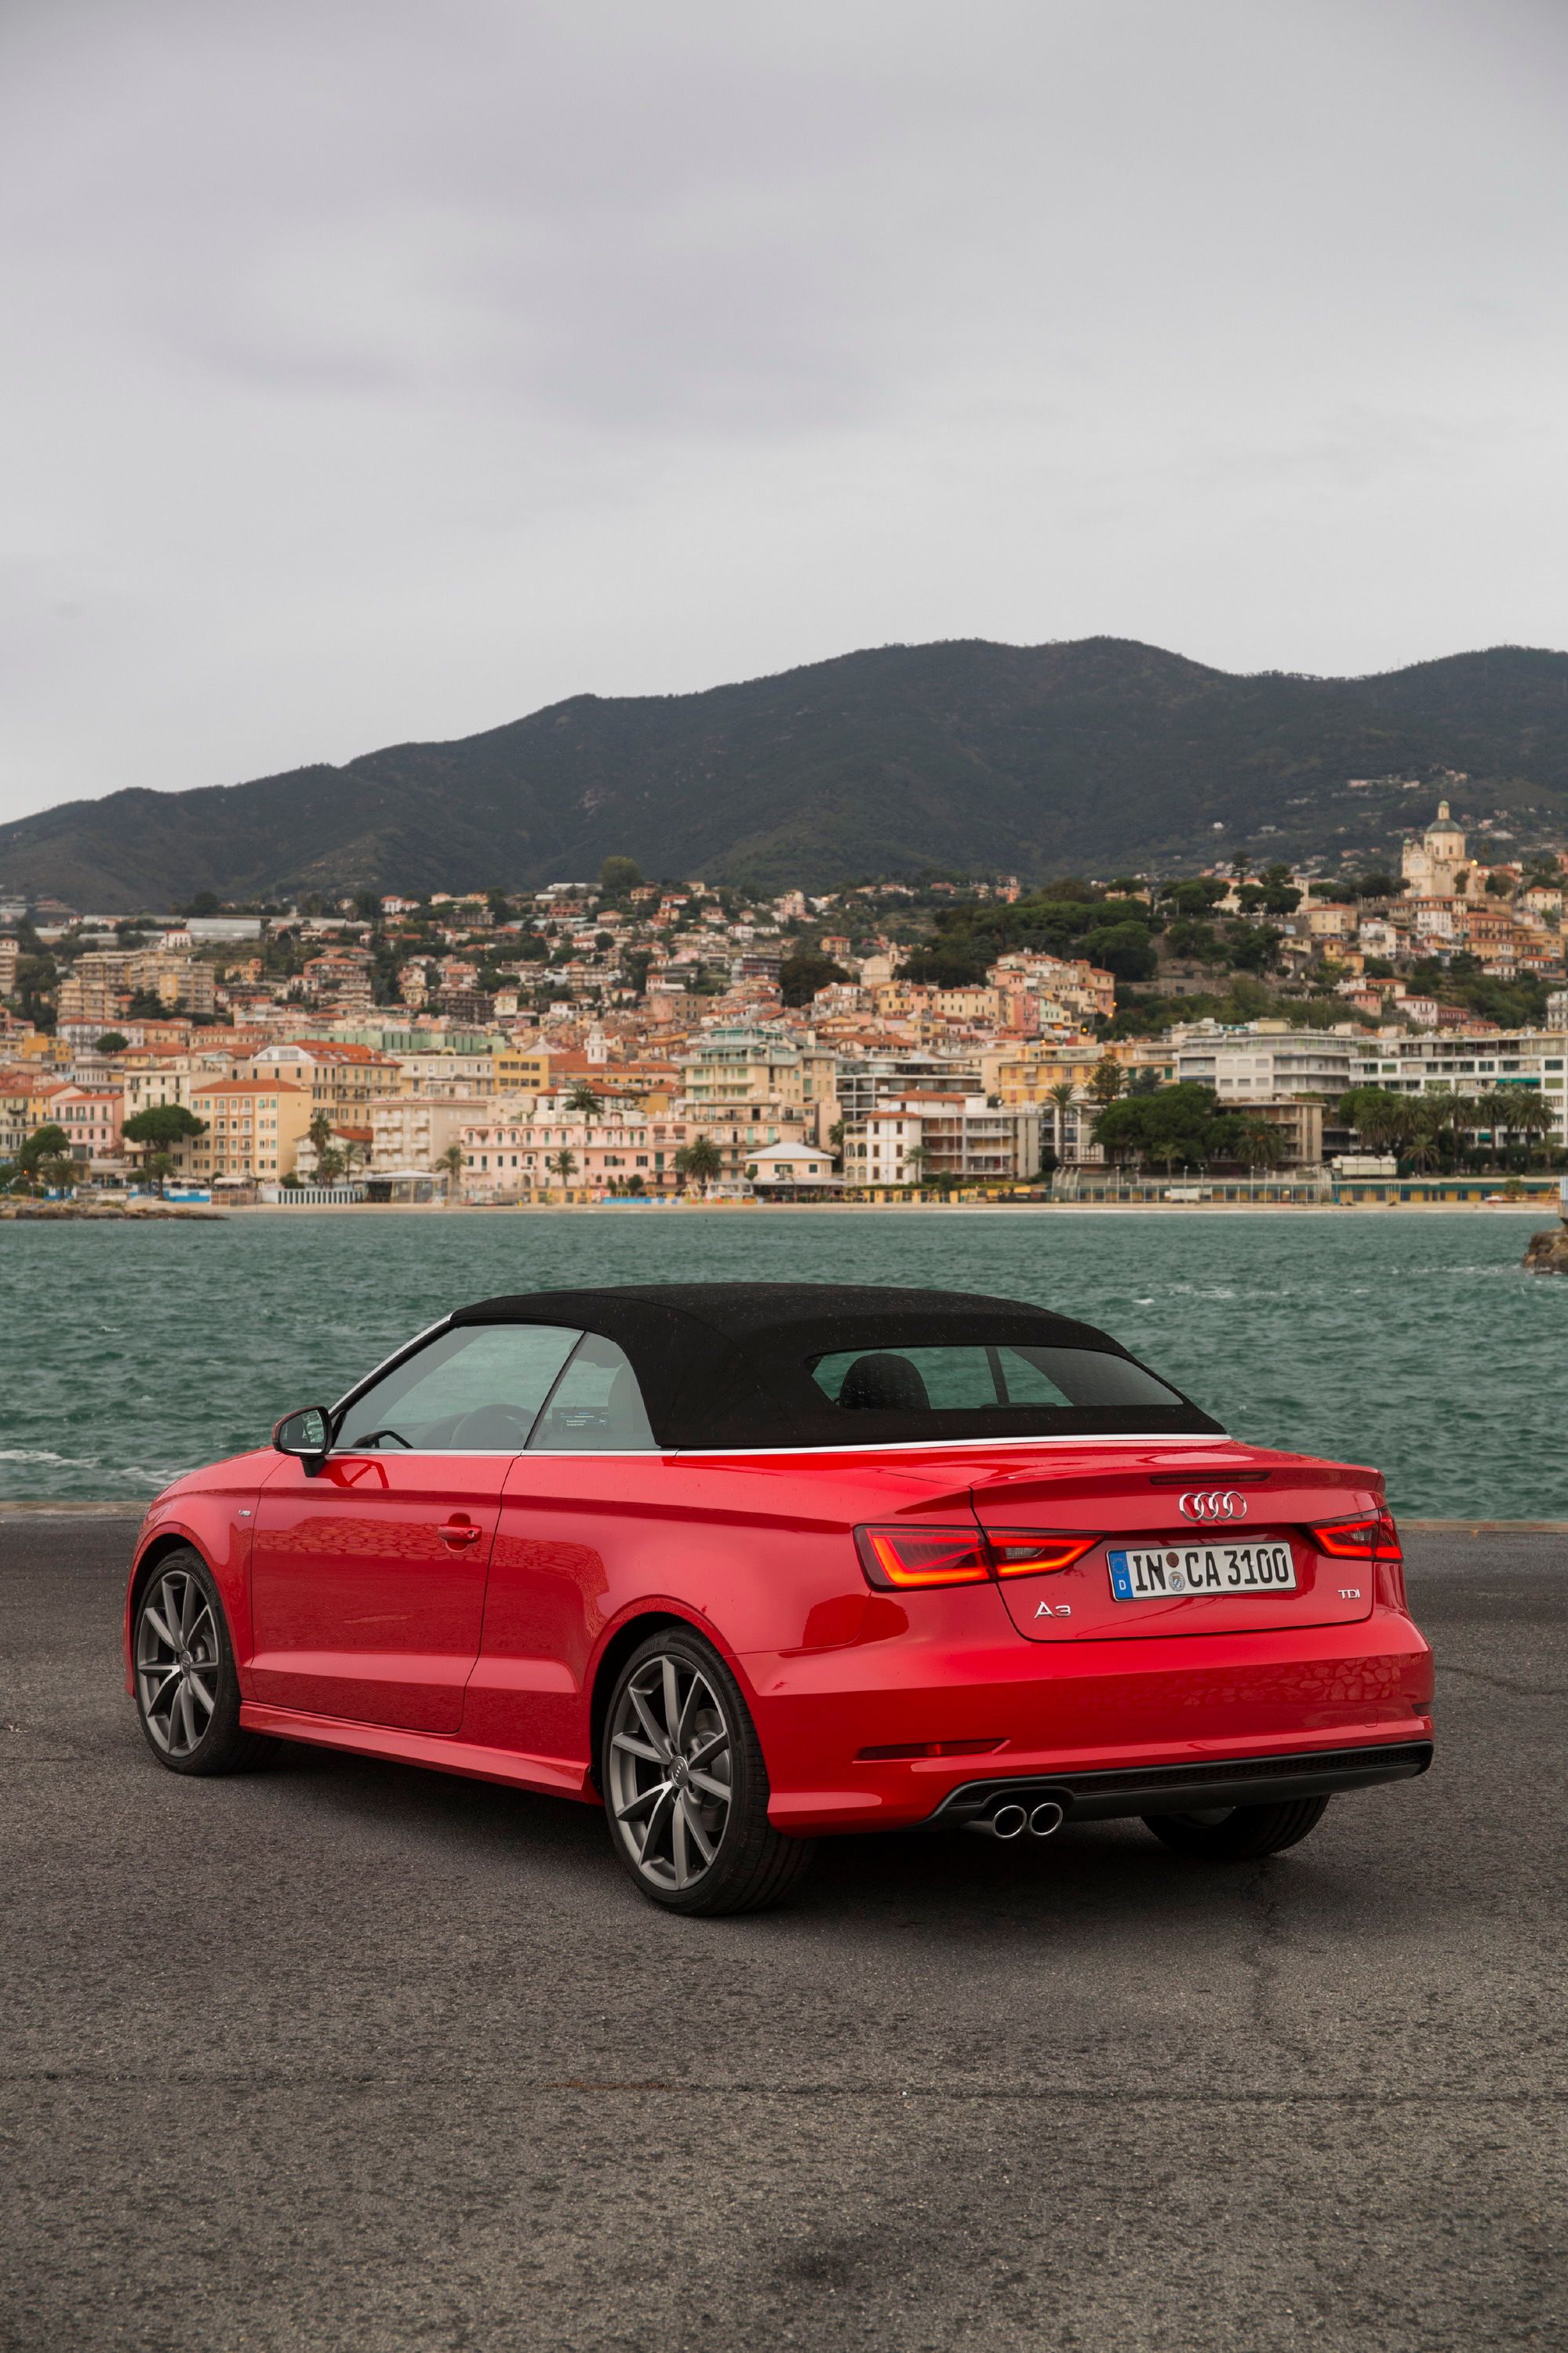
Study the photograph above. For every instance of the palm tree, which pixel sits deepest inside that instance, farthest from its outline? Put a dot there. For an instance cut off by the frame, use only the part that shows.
(1533, 1117)
(700, 1162)
(1260, 1144)
(565, 1166)
(1379, 1124)
(450, 1166)
(1063, 1096)
(915, 1160)
(1458, 1115)
(1426, 1130)
(160, 1168)
(1396, 1123)
(329, 1160)
(1496, 1109)
(583, 1099)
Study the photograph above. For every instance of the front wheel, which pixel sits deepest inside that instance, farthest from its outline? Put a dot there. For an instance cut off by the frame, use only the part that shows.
(685, 1786)
(187, 1692)
(1238, 1833)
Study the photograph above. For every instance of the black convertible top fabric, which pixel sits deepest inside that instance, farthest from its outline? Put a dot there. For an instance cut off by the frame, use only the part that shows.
(727, 1365)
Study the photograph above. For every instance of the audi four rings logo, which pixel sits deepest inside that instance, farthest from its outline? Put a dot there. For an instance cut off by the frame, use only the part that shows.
(1222, 1504)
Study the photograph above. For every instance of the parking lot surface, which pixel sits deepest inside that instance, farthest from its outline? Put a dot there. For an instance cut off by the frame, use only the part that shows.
(346, 2055)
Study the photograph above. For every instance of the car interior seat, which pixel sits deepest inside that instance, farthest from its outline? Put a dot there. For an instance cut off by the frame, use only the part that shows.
(884, 1383)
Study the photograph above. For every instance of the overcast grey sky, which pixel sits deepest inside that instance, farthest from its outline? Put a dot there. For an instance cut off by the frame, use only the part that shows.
(388, 370)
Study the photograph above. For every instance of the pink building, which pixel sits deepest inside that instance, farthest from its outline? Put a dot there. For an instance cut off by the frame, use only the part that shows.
(505, 1158)
(92, 1117)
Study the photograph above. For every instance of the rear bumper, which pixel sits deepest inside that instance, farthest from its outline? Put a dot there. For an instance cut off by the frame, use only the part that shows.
(1134, 1721)
(1178, 1788)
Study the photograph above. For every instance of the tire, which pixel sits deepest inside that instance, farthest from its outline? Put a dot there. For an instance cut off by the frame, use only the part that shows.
(187, 1692)
(1238, 1833)
(696, 1839)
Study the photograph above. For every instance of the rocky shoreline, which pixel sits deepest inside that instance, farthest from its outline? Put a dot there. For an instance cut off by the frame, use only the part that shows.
(1547, 1252)
(82, 1213)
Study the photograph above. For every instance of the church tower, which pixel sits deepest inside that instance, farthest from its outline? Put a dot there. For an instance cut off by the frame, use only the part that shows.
(1435, 867)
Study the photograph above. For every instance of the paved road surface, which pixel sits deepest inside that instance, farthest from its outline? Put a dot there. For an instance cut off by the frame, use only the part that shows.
(349, 2056)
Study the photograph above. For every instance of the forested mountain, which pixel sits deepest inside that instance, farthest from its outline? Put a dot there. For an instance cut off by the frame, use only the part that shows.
(1097, 756)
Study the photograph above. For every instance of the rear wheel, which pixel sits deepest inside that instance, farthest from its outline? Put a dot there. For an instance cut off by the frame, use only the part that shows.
(1238, 1833)
(187, 1692)
(685, 1789)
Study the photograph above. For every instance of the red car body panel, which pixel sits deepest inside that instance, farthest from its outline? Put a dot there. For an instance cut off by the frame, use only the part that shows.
(367, 1585)
(357, 1624)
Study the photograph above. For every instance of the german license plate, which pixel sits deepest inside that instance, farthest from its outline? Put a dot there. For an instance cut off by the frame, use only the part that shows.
(1166, 1569)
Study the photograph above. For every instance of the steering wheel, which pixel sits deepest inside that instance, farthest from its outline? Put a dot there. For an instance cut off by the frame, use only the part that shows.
(492, 1429)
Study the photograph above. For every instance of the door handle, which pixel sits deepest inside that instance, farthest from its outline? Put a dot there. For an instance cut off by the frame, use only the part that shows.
(455, 1534)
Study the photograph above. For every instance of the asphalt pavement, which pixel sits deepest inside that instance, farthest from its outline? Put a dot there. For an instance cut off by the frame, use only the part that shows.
(346, 2055)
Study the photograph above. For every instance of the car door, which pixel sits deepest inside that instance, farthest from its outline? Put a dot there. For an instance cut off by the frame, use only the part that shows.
(369, 1577)
(588, 1503)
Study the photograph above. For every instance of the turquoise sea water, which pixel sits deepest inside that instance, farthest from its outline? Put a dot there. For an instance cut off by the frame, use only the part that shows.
(1414, 1343)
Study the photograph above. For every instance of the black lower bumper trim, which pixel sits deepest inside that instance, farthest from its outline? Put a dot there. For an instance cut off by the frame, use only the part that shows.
(1181, 1789)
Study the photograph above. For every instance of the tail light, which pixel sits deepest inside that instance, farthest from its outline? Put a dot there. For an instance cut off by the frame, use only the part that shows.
(911, 1556)
(1032, 1552)
(906, 1556)
(1371, 1537)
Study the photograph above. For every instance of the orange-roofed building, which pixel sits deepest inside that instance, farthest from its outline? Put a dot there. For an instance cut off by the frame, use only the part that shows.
(341, 1079)
(254, 1130)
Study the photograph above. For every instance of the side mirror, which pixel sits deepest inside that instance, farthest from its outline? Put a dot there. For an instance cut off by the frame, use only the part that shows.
(307, 1435)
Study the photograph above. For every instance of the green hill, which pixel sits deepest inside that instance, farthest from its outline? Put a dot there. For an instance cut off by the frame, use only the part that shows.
(1099, 756)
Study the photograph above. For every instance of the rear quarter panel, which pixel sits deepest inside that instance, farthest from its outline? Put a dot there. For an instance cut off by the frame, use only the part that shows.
(757, 1552)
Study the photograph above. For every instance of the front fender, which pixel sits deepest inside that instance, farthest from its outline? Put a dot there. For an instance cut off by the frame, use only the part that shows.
(217, 1525)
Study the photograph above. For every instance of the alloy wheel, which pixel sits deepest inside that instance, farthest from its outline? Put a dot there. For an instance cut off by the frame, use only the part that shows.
(178, 1663)
(671, 1771)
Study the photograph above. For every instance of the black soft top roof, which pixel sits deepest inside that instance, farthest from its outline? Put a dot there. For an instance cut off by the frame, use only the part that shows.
(725, 1365)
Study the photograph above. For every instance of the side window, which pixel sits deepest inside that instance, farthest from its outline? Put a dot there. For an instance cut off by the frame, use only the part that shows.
(596, 1407)
(911, 1381)
(474, 1390)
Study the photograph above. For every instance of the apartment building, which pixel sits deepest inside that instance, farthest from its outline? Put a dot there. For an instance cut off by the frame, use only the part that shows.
(92, 1117)
(340, 977)
(341, 1079)
(739, 1066)
(415, 1132)
(1267, 1061)
(868, 1081)
(964, 1137)
(101, 983)
(454, 1077)
(255, 1127)
(1449, 1062)
(162, 1081)
(15, 1103)
(507, 1158)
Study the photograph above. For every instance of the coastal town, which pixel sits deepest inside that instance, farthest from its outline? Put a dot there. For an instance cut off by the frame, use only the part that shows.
(1238, 1034)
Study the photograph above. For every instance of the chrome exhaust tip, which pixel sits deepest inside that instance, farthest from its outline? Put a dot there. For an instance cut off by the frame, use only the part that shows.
(1009, 1821)
(1046, 1819)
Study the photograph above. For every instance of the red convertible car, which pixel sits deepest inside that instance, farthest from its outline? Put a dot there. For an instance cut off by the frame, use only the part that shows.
(749, 1563)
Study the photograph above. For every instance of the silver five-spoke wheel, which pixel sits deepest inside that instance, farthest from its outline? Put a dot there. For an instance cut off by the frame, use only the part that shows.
(178, 1663)
(671, 1771)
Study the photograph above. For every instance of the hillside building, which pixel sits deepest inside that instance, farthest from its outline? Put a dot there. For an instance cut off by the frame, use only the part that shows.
(1436, 865)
